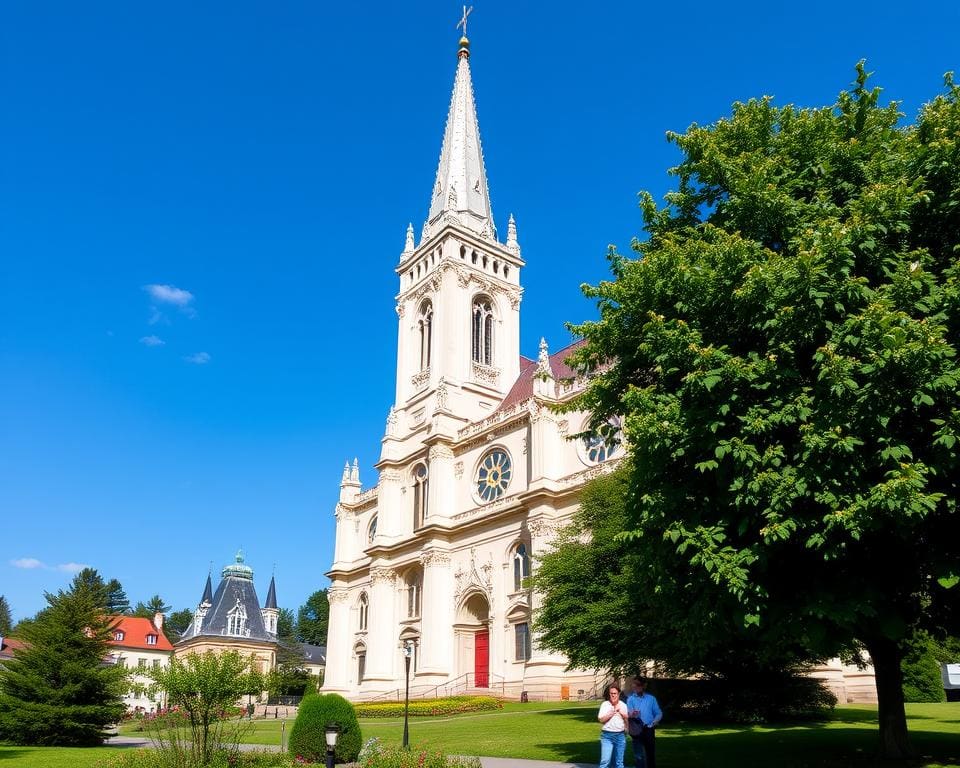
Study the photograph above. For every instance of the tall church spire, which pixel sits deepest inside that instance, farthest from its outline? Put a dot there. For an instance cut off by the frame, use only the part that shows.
(460, 191)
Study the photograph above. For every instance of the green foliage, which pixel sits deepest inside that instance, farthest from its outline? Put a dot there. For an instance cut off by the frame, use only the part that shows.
(312, 619)
(202, 686)
(176, 624)
(452, 705)
(117, 602)
(156, 758)
(286, 623)
(6, 622)
(150, 608)
(56, 691)
(922, 681)
(784, 353)
(375, 755)
(307, 738)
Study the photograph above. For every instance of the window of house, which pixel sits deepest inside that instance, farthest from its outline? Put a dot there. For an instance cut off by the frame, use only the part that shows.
(425, 329)
(493, 474)
(414, 589)
(237, 620)
(521, 566)
(118, 635)
(156, 663)
(372, 530)
(361, 665)
(522, 641)
(421, 495)
(141, 663)
(364, 608)
(604, 443)
(151, 639)
(482, 331)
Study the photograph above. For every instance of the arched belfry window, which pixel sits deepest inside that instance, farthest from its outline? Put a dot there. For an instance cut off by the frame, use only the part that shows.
(425, 331)
(521, 566)
(482, 330)
(421, 488)
(237, 619)
(363, 611)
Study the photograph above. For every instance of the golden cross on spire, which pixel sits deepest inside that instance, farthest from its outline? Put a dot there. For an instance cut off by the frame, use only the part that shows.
(463, 20)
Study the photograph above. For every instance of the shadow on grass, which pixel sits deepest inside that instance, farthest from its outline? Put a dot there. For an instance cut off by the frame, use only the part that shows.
(793, 748)
(12, 753)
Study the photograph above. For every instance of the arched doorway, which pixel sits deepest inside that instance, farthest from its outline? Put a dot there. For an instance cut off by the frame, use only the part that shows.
(473, 640)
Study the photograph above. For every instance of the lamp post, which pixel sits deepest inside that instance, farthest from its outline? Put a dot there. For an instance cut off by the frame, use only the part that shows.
(331, 733)
(407, 653)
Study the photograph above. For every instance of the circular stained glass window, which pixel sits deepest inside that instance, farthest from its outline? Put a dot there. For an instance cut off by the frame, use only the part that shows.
(493, 475)
(604, 443)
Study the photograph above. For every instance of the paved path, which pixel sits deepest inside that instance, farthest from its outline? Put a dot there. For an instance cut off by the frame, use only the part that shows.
(486, 762)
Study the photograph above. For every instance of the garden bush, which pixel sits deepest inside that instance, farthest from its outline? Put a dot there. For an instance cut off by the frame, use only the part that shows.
(307, 740)
(452, 705)
(921, 670)
(376, 755)
(152, 758)
(755, 699)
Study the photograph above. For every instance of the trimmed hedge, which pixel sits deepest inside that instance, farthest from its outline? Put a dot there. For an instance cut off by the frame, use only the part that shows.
(452, 705)
(307, 738)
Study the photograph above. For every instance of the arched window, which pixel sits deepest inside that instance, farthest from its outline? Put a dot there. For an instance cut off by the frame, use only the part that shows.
(372, 530)
(482, 331)
(237, 620)
(421, 495)
(363, 607)
(521, 566)
(360, 650)
(425, 329)
(414, 594)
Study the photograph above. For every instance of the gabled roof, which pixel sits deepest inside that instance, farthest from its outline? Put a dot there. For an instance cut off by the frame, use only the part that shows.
(7, 646)
(522, 388)
(135, 631)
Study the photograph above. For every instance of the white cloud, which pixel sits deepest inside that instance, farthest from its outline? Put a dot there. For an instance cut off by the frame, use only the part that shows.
(72, 567)
(169, 294)
(198, 358)
(27, 562)
(152, 341)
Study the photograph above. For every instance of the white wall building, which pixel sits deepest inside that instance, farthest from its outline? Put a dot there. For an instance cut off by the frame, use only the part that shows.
(140, 645)
(476, 472)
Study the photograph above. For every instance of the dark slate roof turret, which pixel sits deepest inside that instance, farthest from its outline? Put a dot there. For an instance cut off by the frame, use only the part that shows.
(271, 595)
(207, 593)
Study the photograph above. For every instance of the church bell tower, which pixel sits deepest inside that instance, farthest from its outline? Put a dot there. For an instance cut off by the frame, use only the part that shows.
(458, 306)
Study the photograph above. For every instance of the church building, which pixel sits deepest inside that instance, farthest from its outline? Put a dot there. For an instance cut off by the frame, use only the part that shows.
(476, 473)
(231, 618)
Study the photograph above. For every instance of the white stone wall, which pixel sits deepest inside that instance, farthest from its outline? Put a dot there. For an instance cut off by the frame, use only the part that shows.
(137, 695)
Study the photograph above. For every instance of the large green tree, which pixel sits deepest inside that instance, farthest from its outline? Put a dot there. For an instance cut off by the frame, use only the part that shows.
(177, 623)
(109, 595)
(6, 622)
(150, 608)
(312, 619)
(784, 352)
(57, 691)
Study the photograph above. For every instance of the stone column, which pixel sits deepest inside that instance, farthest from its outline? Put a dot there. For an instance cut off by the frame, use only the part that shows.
(545, 444)
(542, 530)
(441, 492)
(337, 672)
(436, 638)
(382, 628)
(393, 511)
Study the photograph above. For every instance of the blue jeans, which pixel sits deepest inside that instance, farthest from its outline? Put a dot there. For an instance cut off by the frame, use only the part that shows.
(612, 747)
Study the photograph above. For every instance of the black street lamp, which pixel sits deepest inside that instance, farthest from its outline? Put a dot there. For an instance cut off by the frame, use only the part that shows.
(407, 653)
(331, 733)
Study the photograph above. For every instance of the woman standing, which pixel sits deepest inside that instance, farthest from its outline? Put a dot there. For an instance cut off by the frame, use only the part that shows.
(613, 716)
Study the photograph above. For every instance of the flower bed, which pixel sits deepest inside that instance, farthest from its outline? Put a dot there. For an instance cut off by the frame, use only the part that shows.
(375, 755)
(453, 705)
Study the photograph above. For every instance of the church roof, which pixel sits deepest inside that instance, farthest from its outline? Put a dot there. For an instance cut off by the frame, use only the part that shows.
(271, 595)
(460, 191)
(522, 388)
(207, 592)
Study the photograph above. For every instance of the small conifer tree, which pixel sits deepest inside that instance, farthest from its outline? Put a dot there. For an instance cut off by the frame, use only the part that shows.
(60, 690)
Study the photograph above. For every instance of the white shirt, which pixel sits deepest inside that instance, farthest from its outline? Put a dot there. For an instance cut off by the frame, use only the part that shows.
(617, 723)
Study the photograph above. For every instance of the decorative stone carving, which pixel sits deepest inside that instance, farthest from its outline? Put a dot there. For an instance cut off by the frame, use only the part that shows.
(400, 309)
(337, 595)
(440, 451)
(392, 420)
(382, 576)
(542, 528)
(523, 446)
(419, 380)
(391, 476)
(442, 395)
(486, 374)
(434, 557)
(474, 577)
(416, 418)
(458, 470)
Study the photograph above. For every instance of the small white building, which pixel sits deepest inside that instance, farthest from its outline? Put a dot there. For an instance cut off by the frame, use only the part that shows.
(140, 645)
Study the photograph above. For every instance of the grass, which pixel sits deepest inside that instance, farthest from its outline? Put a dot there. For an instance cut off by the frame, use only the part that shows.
(569, 732)
(53, 757)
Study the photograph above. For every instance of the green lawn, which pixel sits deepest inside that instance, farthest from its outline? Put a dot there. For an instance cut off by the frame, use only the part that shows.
(569, 732)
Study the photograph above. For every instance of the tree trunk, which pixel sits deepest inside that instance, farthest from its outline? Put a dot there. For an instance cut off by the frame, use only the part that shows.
(886, 656)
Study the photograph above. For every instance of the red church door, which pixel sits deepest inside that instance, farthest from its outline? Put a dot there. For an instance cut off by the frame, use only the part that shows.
(481, 659)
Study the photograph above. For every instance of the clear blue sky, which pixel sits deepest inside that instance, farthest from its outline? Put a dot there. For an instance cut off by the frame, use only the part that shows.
(264, 160)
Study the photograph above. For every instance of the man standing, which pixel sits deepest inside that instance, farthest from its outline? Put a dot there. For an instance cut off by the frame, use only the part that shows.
(644, 714)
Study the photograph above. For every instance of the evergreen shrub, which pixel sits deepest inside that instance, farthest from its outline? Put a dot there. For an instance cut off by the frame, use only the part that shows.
(921, 670)
(307, 739)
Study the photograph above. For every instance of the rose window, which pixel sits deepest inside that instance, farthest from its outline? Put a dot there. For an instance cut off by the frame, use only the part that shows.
(604, 443)
(493, 475)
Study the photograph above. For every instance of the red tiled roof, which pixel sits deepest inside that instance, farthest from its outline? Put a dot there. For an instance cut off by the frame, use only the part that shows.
(522, 388)
(135, 631)
(8, 646)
